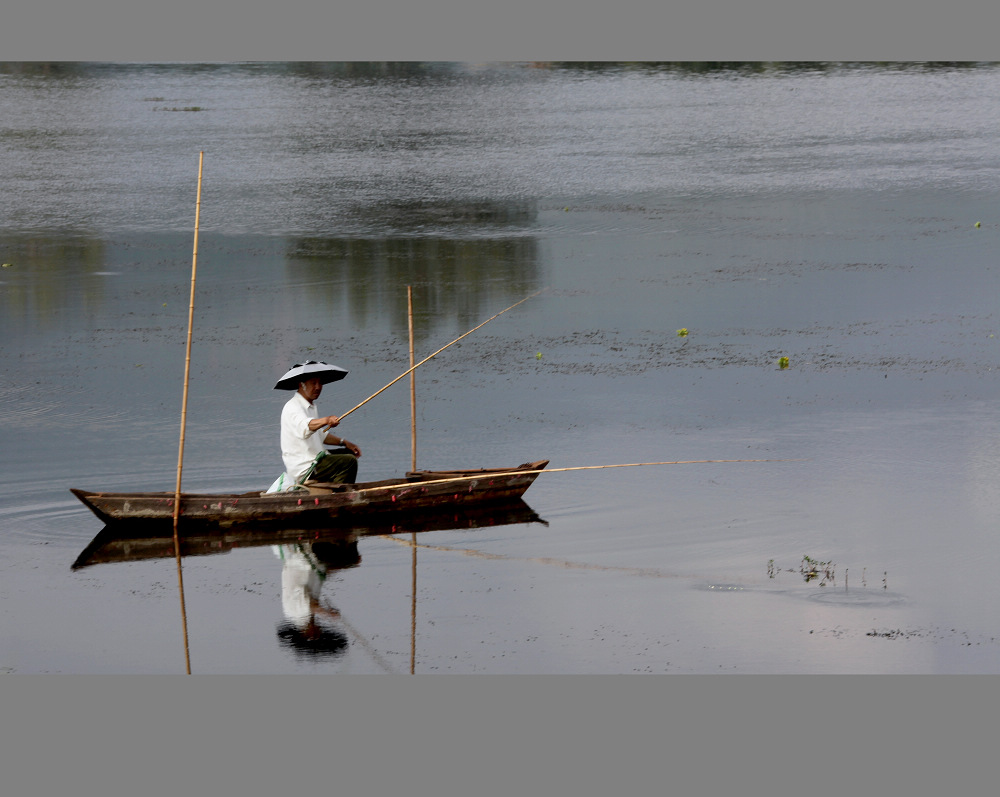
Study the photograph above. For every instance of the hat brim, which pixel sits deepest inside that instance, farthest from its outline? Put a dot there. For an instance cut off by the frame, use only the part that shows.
(324, 372)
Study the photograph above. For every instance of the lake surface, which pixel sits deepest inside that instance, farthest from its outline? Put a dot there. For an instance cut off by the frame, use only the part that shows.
(844, 218)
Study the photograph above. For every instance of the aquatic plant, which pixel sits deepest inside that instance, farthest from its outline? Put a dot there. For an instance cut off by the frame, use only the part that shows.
(811, 568)
(782, 363)
(823, 573)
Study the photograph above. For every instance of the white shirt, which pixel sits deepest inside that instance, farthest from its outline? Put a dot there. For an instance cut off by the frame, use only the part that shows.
(299, 446)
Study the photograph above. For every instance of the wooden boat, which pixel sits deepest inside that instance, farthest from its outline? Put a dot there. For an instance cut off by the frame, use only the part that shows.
(320, 503)
(137, 540)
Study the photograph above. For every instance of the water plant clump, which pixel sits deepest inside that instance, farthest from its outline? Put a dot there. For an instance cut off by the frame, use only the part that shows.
(823, 573)
(811, 570)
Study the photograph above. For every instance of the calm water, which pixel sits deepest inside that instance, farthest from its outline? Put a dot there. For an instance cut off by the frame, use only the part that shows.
(827, 215)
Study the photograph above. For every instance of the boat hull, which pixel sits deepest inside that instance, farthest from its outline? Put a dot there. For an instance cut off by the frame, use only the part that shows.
(421, 491)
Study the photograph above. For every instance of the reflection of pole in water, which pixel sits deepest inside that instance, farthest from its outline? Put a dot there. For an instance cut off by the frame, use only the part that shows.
(413, 607)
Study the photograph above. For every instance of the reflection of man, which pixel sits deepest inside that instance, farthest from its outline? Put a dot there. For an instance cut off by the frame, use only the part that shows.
(306, 614)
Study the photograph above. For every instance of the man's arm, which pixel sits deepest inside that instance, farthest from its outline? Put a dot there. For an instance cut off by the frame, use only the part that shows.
(320, 423)
(333, 440)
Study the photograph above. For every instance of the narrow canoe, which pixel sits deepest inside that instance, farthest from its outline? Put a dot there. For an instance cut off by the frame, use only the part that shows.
(320, 503)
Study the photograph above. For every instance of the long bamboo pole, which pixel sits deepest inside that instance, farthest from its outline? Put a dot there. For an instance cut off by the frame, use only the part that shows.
(180, 451)
(456, 340)
(413, 383)
(413, 467)
(515, 472)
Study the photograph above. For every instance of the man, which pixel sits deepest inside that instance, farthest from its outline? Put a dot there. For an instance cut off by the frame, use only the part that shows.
(304, 433)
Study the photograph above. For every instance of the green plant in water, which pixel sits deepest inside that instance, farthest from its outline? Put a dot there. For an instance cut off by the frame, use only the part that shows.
(782, 363)
(811, 569)
(682, 332)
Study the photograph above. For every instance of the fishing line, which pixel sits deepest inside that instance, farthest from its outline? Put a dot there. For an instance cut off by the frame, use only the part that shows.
(369, 648)
(515, 472)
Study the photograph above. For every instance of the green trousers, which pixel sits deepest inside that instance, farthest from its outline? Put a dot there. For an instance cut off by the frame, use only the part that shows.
(338, 466)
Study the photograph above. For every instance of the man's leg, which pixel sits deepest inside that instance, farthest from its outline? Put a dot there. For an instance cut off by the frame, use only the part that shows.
(336, 467)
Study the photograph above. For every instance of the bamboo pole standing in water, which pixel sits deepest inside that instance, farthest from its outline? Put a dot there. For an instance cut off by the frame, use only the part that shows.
(413, 467)
(413, 382)
(180, 451)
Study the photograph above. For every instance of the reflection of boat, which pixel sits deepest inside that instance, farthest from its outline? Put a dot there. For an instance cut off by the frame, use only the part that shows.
(417, 491)
(131, 541)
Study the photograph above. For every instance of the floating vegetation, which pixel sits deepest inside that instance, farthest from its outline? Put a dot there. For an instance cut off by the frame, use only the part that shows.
(682, 332)
(963, 638)
(782, 363)
(895, 634)
(822, 573)
(933, 634)
(812, 568)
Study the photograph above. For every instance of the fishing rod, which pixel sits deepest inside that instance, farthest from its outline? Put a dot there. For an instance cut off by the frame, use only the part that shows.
(515, 472)
(456, 340)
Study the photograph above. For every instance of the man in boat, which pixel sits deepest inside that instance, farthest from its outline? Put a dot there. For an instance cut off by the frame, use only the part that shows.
(304, 432)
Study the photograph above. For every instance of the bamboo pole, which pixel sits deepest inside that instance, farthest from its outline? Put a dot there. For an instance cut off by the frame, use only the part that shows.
(413, 467)
(413, 383)
(515, 472)
(456, 340)
(180, 451)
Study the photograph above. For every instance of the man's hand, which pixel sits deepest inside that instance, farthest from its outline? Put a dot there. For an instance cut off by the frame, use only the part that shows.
(351, 447)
